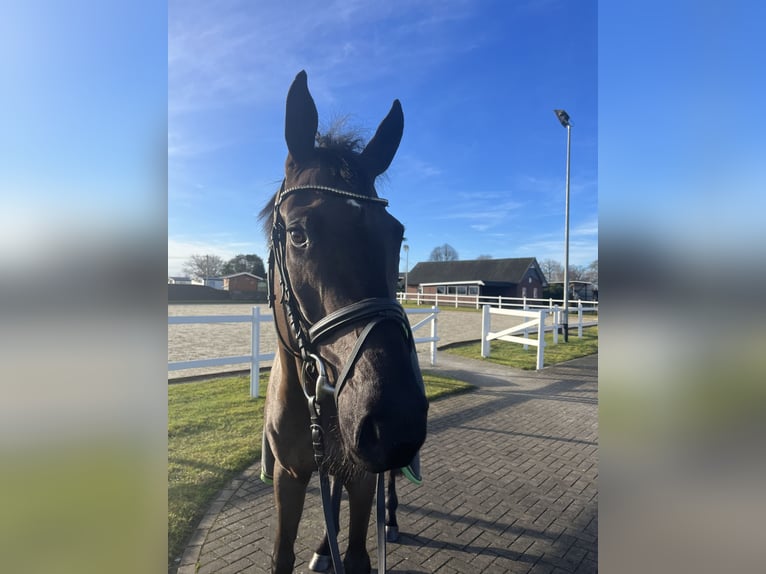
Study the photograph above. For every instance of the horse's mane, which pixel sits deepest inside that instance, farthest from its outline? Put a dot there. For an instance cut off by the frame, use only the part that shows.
(338, 150)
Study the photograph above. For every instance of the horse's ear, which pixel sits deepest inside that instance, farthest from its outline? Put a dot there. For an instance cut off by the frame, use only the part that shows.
(301, 119)
(380, 151)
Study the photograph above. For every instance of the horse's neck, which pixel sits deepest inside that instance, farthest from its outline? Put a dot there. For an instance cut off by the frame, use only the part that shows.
(289, 369)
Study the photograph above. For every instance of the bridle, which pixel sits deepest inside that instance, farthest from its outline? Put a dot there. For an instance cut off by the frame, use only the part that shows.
(308, 338)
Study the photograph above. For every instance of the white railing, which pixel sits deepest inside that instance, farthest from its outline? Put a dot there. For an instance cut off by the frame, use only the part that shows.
(477, 301)
(580, 323)
(255, 357)
(432, 318)
(536, 319)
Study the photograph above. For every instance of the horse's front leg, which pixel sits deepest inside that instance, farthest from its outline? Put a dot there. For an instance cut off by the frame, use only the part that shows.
(290, 494)
(361, 492)
(322, 561)
(392, 503)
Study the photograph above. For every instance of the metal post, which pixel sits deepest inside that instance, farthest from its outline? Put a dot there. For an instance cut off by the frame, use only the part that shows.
(563, 118)
(566, 243)
(406, 267)
(255, 365)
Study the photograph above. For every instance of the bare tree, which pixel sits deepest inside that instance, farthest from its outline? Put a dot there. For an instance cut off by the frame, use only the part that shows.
(443, 253)
(553, 270)
(577, 273)
(484, 256)
(203, 266)
(591, 273)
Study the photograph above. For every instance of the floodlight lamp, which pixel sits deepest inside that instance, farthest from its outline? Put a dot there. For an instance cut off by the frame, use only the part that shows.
(563, 117)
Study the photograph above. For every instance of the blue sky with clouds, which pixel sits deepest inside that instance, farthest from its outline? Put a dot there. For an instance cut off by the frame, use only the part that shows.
(482, 162)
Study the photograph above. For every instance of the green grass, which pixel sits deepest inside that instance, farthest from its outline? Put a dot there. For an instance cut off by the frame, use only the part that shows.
(214, 433)
(514, 355)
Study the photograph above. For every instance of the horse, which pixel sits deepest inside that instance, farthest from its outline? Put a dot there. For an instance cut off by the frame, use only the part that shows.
(345, 394)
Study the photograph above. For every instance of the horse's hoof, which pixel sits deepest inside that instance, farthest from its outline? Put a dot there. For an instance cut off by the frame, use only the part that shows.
(392, 533)
(320, 563)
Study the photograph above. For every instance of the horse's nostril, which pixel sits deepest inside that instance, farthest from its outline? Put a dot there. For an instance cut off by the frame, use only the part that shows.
(381, 446)
(370, 435)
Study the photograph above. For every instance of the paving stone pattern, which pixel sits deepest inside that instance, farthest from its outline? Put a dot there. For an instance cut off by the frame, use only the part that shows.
(510, 485)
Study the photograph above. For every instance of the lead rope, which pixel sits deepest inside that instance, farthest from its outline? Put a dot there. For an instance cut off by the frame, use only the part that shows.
(317, 440)
(381, 522)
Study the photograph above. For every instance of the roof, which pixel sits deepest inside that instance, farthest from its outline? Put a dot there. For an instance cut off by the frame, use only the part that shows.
(242, 273)
(486, 270)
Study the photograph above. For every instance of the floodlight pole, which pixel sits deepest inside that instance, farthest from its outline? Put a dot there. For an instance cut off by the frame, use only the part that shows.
(564, 119)
(406, 267)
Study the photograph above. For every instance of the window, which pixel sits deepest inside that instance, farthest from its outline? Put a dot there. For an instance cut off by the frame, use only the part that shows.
(440, 290)
(473, 289)
(523, 291)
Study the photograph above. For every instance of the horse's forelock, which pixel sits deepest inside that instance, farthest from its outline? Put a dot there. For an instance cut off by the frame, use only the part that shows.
(338, 149)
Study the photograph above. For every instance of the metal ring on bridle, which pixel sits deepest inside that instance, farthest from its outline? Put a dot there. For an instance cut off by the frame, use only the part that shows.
(322, 385)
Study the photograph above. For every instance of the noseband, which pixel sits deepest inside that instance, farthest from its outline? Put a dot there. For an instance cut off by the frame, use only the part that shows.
(308, 338)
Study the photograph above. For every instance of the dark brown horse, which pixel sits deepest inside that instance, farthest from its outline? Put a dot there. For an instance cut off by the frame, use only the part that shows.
(345, 394)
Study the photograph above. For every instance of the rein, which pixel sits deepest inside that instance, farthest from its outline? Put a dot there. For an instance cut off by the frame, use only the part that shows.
(308, 337)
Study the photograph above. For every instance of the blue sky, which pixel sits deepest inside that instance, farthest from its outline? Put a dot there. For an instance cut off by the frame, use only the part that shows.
(482, 162)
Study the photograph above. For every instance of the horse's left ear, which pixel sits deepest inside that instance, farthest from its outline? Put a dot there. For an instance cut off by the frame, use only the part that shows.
(380, 150)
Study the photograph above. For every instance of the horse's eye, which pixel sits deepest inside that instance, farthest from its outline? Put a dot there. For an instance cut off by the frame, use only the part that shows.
(298, 237)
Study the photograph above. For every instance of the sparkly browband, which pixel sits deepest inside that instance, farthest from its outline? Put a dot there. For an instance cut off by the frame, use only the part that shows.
(286, 191)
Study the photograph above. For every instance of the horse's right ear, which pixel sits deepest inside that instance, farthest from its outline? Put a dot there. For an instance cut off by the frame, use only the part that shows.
(301, 119)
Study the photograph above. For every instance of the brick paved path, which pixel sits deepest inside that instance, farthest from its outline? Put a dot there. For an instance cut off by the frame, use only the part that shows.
(510, 485)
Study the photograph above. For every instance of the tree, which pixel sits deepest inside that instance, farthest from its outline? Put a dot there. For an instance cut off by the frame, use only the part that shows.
(203, 266)
(553, 270)
(443, 253)
(577, 273)
(482, 257)
(591, 273)
(241, 263)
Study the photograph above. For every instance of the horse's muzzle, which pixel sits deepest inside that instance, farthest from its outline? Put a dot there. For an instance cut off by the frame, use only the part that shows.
(385, 443)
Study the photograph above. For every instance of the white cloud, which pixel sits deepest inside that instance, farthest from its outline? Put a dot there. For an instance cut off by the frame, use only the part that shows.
(585, 229)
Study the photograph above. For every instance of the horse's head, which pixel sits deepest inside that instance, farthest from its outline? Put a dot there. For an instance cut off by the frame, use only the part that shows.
(334, 245)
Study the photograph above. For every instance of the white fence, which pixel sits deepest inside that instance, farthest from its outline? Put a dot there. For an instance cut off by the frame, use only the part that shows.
(536, 321)
(255, 357)
(586, 308)
(476, 301)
